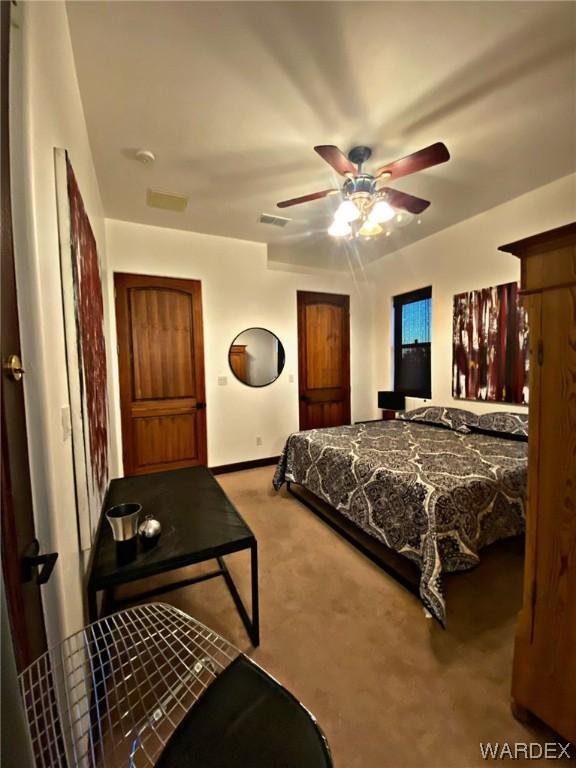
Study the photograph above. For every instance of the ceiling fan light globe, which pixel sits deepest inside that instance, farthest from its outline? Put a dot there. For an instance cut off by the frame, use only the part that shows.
(381, 212)
(347, 212)
(339, 228)
(370, 228)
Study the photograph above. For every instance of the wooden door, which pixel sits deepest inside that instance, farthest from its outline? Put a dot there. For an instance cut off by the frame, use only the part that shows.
(323, 359)
(18, 533)
(161, 363)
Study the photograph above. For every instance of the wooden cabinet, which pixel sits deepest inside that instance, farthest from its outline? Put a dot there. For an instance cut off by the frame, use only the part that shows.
(544, 675)
(237, 357)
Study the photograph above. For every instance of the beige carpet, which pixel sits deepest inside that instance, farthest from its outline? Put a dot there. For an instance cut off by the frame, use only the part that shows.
(390, 688)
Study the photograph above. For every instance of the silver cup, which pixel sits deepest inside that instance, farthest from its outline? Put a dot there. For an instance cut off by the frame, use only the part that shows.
(123, 520)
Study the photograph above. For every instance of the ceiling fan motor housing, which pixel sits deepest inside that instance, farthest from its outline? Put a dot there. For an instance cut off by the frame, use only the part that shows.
(359, 155)
(360, 186)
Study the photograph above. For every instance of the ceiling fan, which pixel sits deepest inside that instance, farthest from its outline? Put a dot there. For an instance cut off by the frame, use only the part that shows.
(364, 204)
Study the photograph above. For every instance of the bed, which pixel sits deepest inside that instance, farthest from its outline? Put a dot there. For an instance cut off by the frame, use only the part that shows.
(435, 486)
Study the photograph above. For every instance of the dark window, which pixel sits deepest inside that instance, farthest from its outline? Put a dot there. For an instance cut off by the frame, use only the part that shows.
(412, 323)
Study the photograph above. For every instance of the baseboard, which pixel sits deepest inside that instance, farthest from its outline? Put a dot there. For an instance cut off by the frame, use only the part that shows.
(254, 464)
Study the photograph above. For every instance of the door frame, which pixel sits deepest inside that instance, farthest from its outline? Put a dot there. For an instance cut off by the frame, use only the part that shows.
(23, 593)
(340, 300)
(124, 349)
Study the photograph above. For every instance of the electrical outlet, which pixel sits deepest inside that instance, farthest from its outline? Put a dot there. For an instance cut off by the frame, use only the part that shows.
(258, 441)
(222, 381)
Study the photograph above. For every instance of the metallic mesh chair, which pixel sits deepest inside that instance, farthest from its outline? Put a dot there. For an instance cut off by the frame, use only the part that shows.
(152, 686)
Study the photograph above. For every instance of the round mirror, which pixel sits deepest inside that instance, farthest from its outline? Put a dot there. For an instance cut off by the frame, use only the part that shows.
(256, 357)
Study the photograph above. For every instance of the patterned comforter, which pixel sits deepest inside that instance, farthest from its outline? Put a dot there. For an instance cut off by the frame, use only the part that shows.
(432, 494)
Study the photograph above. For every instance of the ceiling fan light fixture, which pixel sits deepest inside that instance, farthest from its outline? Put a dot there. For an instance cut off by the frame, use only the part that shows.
(365, 206)
(381, 212)
(339, 228)
(347, 212)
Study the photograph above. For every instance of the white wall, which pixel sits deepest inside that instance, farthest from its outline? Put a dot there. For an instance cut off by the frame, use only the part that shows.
(239, 291)
(458, 259)
(46, 112)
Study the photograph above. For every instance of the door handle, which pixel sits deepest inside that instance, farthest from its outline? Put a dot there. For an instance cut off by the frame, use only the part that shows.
(304, 398)
(200, 406)
(34, 560)
(13, 367)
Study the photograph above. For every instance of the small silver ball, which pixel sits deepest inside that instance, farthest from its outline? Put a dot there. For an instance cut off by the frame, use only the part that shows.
(149, 528)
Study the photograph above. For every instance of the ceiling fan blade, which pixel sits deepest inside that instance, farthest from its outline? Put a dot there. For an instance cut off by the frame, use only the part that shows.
(417, 161)
(337, 159)
(305, 198)
(403, 200)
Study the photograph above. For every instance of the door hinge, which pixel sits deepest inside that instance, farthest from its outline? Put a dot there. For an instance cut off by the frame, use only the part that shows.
(540, 352)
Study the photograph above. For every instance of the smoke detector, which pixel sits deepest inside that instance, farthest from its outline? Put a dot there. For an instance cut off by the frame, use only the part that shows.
(144, 156)
(274, 221)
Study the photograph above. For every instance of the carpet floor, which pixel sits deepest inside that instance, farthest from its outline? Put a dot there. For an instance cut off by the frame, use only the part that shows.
(390, 688)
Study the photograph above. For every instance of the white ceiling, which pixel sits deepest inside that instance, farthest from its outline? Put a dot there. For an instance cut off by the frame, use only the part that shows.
(232, 97)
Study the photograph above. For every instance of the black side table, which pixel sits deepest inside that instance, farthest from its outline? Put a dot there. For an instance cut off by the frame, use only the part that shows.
(199, 523)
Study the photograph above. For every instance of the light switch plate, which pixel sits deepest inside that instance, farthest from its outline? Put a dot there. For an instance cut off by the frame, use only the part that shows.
(222, 381)
(291, 378)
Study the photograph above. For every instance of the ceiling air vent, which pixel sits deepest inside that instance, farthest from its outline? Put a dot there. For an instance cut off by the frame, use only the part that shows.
(166, 201)
(275, 221)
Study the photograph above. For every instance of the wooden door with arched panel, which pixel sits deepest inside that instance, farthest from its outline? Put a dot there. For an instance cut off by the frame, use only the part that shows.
(161, 367)
(323, 359)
